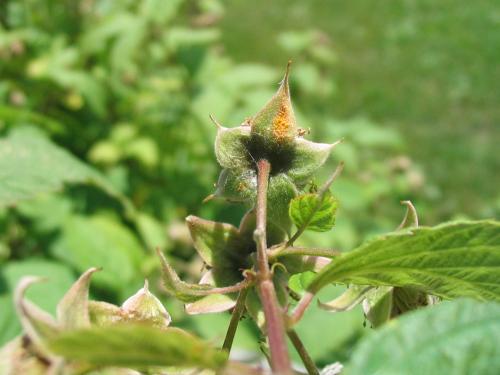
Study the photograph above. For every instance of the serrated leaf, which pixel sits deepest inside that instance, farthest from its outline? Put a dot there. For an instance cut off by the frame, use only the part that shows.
(309, 211)
(137, 346)
(450, 260)
(459, 337)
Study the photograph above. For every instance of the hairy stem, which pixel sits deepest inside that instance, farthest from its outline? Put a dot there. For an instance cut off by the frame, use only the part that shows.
(304, 355)
(279, 251)
(280, 360)
(235, 319)
(300, 309)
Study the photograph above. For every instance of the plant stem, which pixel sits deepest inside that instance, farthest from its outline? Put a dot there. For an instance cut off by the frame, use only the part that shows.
(235, 319)
(280, 360)
(294, 250)
(304, 355)
(300, 309)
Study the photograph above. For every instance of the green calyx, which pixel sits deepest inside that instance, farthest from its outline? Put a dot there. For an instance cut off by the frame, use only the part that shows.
(271, 134)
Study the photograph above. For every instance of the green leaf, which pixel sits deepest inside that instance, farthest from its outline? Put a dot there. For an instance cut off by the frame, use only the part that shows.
(30, 165)
(138, 347)
(459, 337)
(450, 260)
(308, 210)
(99, 241)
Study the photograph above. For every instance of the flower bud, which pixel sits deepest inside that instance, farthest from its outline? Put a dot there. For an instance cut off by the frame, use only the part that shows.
(144, 306)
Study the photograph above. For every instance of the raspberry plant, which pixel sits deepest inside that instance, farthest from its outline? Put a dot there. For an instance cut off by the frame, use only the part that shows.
(269, 166)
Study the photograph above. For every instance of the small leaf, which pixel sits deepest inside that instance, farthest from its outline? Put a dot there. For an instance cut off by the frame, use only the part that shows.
(310, 211)
(72, 310)
(458, 337)
(347, 300)
(456, 259)
(137, 346)
(145, 307)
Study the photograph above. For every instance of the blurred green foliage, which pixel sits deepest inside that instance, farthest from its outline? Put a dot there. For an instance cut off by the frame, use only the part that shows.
(126, 88)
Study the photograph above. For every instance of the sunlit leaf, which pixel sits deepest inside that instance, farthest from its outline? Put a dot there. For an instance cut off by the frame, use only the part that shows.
(459, 337)
(451, 260)
(310, 211)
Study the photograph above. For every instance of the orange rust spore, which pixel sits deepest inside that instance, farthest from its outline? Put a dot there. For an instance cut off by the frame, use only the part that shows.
(282, 124)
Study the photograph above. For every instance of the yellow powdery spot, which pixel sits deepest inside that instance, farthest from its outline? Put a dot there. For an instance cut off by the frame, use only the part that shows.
(282, 123)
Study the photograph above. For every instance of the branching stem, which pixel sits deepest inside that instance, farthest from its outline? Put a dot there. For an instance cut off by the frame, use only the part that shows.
(280, 360)
(279, 251)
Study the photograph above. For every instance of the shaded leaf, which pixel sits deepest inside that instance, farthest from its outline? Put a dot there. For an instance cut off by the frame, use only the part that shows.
(30, 164)
(137, 346)
(378, 305)
(102, 242)
(459, 337)
(451, 260)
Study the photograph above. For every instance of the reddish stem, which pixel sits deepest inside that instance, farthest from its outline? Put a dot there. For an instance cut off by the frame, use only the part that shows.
(280, 360)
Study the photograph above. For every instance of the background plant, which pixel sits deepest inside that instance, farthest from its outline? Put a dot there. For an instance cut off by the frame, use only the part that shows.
(127, 87)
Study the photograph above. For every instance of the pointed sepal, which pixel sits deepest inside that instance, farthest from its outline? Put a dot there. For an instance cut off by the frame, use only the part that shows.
(275, 123)
(231, 147)
(73, 310)
(37, 324)
(308, 158)
(353, 296)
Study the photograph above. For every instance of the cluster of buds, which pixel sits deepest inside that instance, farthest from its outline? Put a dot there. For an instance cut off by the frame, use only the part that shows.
(31, 353)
